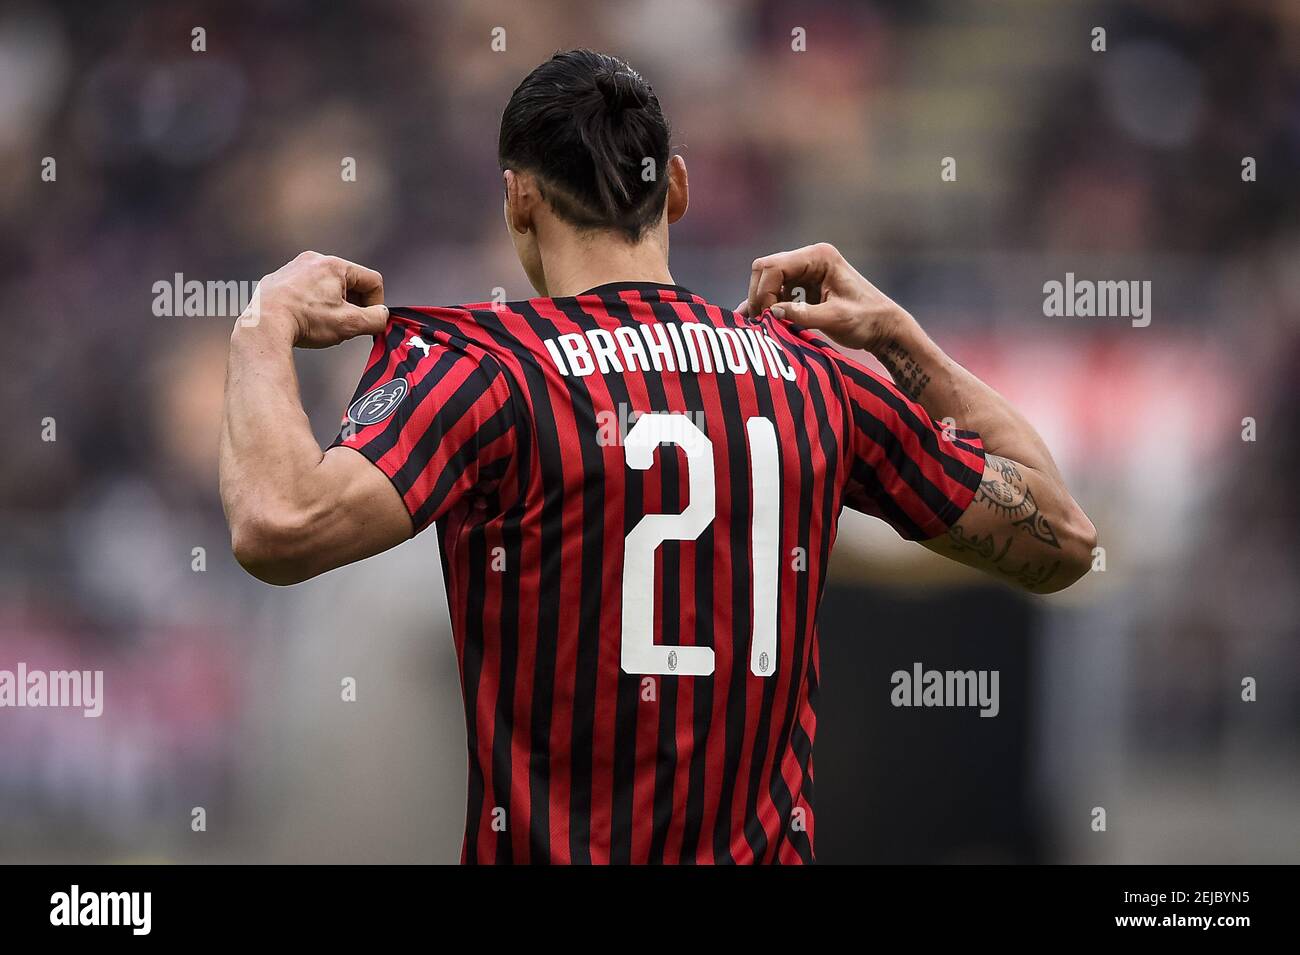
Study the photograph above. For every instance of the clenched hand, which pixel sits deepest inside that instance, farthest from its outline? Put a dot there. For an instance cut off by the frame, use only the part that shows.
(319, 300)
(852, 311)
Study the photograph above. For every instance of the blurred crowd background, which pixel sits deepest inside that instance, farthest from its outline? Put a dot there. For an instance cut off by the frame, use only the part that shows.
(1123, 693)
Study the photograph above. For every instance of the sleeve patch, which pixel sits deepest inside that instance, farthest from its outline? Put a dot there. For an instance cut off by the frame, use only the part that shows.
(378, 403)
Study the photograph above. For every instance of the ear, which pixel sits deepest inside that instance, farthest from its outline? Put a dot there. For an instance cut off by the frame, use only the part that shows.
(521, 199)
(678, 189)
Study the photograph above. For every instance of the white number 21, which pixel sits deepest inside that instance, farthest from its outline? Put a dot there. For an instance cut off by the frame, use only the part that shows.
(640, 654)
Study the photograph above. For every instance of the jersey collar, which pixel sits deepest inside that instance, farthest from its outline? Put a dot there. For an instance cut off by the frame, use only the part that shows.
(613, 287)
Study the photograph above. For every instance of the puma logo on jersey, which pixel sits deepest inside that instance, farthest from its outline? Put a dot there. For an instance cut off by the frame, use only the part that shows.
(415, 341)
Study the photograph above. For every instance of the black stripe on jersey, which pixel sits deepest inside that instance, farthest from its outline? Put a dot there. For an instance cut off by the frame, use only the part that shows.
(814, 695)
(392, 339)
(866, 478)
(472, 667)
(831, 504)
(702, 700)
(522, 416)
(445, 418)
(627, 709)
(511, 589)
(500, 424)
(551, 474)
(593, 570)
(754, 832)
(503, 728)
(924, 430)
(939, 503)
(778, 789)
(669, 599)
(736, 712)
(548, 581)
(802, 747)
(491, 475)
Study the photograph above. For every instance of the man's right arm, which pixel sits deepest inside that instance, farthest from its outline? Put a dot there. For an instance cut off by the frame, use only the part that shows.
(295, 512)
(1022, 524)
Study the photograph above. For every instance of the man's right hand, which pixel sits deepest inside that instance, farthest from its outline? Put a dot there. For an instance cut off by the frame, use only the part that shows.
(852, 311)
(317, 301)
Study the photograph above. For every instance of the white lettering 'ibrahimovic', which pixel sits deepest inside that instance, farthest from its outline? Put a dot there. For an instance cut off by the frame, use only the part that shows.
(690, 346)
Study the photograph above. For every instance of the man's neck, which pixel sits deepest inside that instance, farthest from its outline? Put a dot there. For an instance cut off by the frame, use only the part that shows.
(588, 264)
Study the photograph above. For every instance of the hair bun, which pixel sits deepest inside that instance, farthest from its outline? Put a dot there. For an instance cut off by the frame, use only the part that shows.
(620, 91)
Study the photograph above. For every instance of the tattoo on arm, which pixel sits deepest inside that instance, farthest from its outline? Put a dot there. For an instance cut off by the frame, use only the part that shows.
(904, 369)
(994, 556)
(1005, 492)
(1008, 494)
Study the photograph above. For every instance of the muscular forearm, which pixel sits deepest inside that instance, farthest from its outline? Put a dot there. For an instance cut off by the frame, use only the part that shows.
(1023, 524)
(293, 511)
(268, 452)
(945, 389)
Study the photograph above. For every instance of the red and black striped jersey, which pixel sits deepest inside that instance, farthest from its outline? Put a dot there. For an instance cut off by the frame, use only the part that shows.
(636, 494)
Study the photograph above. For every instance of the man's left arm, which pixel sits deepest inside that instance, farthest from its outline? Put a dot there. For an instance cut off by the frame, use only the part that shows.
(1021, 525)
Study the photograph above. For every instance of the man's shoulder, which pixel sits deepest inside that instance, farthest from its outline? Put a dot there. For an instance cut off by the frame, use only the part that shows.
(492, 334)
(496, 326)
(475, 323)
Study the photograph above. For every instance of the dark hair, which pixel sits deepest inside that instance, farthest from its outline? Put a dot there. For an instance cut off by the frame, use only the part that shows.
(584, 123)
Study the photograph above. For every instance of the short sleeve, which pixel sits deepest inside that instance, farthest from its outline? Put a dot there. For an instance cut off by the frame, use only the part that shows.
(435, 414)
(915, 473)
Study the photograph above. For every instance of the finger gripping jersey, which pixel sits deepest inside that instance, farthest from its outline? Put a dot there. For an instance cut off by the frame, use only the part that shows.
(636, 494)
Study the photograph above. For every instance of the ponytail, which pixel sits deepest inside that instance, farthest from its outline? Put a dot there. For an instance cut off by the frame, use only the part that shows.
(585, 123)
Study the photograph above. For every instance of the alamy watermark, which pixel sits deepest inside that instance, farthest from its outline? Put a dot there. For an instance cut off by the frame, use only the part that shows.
(124, 909)
(922, 687)
(612, 425)
(179, 297)
(81, 689)
(1084, 298)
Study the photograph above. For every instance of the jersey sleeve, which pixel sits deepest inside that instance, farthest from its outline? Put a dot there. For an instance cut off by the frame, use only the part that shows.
(435, 414)
(915, 473)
